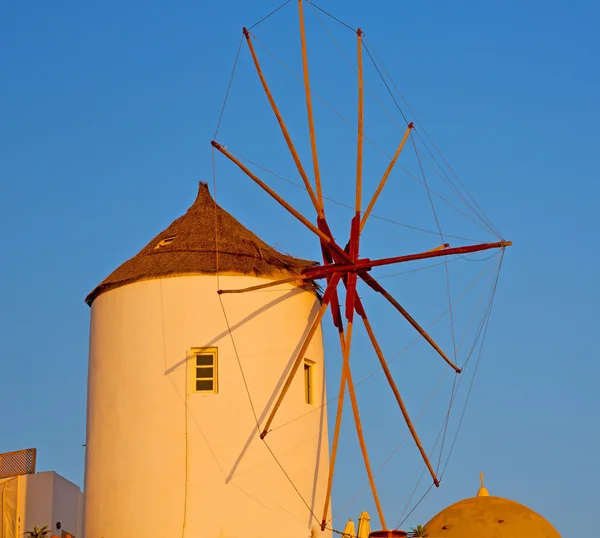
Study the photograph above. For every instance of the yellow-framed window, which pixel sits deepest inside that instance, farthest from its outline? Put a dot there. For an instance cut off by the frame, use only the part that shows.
(309, 367)
(204, 370)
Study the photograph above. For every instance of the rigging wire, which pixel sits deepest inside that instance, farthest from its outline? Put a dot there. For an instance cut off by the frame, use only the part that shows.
(332, 16)
(237, 56)
(386, 85)
(415, 506)
(269, 15)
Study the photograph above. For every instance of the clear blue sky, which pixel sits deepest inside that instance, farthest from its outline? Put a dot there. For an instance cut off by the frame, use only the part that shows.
(106, 114)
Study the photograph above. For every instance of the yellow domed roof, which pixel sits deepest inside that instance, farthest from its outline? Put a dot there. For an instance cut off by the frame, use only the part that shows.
(489, 517)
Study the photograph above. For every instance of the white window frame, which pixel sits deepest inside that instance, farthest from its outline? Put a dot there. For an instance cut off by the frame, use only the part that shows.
(192, 373)
(309, 384)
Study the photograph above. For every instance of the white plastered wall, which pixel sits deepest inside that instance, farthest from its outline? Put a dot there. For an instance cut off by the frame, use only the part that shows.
(44, 499)
(164, 461)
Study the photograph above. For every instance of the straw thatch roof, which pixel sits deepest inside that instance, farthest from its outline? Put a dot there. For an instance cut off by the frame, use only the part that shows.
(189, 247)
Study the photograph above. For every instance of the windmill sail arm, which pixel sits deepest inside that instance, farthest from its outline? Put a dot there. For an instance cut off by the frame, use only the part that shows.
(284, 129)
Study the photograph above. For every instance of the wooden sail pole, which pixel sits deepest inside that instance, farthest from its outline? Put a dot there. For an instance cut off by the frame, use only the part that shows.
(468, 249)
(323, 271)
(309, 110)
(359, 144)
(366, 264)
(336, 431)
(363, 446)
(300, 357)
(385, 177)
(346, 378)
(392, 383)
(284, 130)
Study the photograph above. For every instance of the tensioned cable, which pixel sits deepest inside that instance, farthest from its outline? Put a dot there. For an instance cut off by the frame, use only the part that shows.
(385, 83)
(416, 505)
(229, 87)
(332, 16)
(269, 15)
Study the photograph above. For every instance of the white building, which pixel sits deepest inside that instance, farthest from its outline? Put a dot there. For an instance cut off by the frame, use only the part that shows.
(179, 376)
(40, 499)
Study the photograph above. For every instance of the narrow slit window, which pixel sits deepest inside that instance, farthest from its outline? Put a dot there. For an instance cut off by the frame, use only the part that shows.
(204, 370)
(308, 381)
(164, 242)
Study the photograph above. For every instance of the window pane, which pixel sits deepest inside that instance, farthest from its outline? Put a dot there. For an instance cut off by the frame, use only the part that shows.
(204, 360)
(203, 373)
(308, 383)
(204, 384)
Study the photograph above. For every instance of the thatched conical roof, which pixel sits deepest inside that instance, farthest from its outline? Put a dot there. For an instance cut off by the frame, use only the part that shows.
(189, 247)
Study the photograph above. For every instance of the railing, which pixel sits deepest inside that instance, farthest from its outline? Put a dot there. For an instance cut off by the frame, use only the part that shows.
(17, 463)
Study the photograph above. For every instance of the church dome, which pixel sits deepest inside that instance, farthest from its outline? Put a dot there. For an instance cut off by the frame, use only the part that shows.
(485, 516)
(189, 246)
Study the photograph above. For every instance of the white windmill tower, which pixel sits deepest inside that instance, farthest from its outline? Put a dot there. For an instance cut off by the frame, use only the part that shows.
(178, 383)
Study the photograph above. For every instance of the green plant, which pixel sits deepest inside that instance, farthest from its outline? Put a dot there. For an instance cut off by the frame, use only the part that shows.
(420, 531)
(44, 532)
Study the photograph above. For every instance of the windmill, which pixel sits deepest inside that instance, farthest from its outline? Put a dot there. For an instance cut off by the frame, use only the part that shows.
(343, 264)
